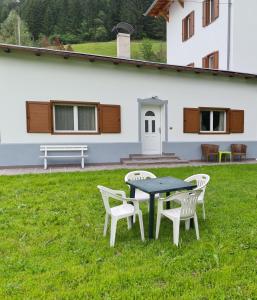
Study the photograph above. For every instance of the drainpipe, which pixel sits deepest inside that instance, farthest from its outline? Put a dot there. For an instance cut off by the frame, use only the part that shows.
(229, 35)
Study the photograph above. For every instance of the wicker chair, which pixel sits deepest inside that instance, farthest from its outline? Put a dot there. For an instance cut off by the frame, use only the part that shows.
(210, 151)
(238, 150)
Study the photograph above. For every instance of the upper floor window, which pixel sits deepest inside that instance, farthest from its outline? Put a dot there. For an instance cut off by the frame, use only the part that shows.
(210, 11)
(188, 26)
(211, 61)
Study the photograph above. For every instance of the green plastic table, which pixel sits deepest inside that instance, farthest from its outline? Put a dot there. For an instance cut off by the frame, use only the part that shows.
(157, 186)
(224, 153)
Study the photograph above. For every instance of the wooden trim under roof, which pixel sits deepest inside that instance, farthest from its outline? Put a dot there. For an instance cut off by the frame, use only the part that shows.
(160, 8)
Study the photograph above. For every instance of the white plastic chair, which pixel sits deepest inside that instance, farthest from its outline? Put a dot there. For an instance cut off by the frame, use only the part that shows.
(202, 181)
(125, 210)
(140, 196)
(187, 211)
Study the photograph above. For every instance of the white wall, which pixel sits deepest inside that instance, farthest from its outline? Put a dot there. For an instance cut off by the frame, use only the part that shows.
(205, 40)
(28, 77)
(244, 37)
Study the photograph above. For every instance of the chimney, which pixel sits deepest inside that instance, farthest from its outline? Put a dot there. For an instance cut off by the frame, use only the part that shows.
(123, 45)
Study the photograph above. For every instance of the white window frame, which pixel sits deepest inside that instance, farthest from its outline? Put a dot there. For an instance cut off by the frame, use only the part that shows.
(211, 121)
(211, 59)
(75, 118)
(211, 11)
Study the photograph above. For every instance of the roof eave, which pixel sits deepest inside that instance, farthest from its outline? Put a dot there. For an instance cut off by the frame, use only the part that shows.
(116, 61)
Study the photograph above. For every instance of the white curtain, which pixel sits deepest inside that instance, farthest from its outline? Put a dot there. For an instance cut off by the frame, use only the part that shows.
(86, 118)
(219, 121)
(64, 117)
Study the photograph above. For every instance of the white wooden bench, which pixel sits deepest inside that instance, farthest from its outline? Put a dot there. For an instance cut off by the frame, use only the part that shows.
(47, 149)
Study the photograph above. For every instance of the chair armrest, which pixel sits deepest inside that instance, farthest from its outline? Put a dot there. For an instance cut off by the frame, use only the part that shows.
(120, 193)
(167, 199)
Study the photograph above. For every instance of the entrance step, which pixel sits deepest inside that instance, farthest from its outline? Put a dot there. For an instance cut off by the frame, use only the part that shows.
(144, 160)
(155, 156)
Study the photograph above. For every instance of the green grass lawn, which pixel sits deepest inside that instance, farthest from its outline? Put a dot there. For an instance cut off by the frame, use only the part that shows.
(52, 245)
(109, 48)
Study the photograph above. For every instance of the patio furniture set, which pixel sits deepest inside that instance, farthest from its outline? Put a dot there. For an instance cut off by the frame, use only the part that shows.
(146, 187)
(212, 152)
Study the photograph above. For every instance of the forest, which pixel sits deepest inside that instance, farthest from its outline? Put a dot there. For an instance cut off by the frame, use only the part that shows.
(77, 21)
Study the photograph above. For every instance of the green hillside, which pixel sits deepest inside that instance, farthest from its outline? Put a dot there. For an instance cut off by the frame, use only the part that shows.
(109, 49)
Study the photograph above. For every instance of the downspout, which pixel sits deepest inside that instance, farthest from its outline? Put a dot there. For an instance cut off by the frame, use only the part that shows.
(229, 35)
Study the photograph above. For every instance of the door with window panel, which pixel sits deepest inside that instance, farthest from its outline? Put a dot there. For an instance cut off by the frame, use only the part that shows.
(151, 130)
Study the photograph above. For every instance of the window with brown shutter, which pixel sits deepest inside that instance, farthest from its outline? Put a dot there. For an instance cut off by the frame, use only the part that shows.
(206, 120)
(191, 120)
(75, 117)
(39, 117)
(110, 118)
(211, 61)
(236, 121)
(188, 26)
(210, 11)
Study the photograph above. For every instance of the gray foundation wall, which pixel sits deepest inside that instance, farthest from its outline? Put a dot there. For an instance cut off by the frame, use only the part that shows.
(28, 154)
(192, 150)
(12, 155)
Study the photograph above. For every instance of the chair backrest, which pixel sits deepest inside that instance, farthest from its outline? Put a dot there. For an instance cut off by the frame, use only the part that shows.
(201, 180)
(209, 148)
(238, 148)
(188, 203)
(108, 193)
(138, 175)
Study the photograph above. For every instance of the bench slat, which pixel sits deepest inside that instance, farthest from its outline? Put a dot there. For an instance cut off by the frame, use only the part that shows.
(63, 146)
(62, 150)
(64, 156)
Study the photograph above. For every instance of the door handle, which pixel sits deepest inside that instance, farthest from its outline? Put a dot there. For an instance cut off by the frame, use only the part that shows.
(160, 131)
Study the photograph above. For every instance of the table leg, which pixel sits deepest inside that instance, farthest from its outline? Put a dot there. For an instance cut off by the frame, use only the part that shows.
(132, 192)
(132, 195)
(151, 217)
(167, 203)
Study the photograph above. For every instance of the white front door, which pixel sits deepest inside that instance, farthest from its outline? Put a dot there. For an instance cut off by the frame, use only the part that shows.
(151, 129)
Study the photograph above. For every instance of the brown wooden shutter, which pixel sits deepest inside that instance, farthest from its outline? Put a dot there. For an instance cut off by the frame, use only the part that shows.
(216, 9)
(110, 118)
(216, 60)
(205, 18)
(191, 120)
(192, 24)
(236, 121)
(205, 62)
(39, 117)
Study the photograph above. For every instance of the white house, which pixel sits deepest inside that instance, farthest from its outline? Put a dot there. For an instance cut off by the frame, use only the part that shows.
(216, 34)
(118, 106)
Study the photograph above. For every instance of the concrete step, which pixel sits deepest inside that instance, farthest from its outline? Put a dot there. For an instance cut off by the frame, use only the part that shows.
(163, 156)
(170, 161)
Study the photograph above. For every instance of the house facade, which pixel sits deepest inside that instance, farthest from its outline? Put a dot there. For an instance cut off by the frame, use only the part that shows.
(118, 106)
(210, 33)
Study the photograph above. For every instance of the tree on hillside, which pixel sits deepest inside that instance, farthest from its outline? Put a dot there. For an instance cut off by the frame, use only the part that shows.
(9, 30)
(84, 20)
